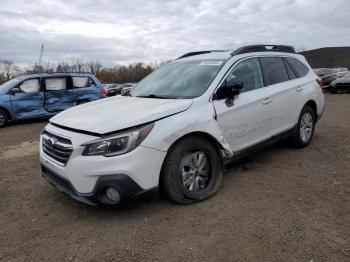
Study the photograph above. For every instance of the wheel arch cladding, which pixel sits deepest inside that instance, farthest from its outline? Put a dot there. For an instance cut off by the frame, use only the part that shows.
(9, 117)
(204, 135)
(312, 104)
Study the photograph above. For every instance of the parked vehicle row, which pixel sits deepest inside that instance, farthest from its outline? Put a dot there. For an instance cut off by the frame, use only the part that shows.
(326, 74)
(340, 84)
(117, 89)
(44, 95)
(334, 79)
(179, 126)
(340, 71)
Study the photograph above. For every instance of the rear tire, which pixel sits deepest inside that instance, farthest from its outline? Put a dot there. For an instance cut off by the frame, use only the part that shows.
(305, 128)
(192, 171)
(3, 118)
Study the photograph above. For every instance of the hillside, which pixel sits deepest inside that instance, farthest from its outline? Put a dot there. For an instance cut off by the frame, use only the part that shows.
(328, 57)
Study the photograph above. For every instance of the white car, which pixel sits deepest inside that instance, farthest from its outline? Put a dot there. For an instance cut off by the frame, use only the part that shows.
(181, 124)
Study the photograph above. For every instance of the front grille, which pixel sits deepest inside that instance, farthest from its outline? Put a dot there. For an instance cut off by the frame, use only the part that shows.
(56, 147)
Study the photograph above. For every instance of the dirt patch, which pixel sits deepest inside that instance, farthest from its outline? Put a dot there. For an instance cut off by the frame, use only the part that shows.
(281, 204)
(22, 150)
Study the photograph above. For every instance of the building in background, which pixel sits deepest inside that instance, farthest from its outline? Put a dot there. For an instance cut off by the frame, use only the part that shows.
(328, 57)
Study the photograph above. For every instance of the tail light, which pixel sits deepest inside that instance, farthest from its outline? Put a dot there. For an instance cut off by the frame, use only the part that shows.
(103, 92)
(319, 81)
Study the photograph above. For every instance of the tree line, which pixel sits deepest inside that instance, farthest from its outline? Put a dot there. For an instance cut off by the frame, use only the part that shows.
(116, 74)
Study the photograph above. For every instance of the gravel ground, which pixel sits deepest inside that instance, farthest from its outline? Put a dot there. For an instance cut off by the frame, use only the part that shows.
(281, 204)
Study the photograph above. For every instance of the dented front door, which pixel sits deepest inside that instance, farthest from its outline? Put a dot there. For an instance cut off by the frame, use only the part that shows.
(28, 101)
(247, 122)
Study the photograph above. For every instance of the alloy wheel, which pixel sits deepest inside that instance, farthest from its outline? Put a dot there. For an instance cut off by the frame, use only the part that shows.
(306, 127)
(195, 171)
(2, 119)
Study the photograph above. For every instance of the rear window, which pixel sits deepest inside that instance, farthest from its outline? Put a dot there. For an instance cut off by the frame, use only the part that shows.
(274, 70)
(299, 67)
(55, 84)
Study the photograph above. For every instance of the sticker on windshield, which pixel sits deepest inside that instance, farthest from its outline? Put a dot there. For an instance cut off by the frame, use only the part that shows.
(211, 63)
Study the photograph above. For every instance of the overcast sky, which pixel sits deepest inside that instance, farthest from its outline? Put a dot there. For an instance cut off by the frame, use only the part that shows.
(114, 32)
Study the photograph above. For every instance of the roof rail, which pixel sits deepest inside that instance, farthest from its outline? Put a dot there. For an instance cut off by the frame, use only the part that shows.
(198, 53)
(67, 72)
(263, 48)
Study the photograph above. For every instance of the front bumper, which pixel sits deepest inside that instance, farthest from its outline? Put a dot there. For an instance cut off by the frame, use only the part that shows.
(127, 188)
(82, 177)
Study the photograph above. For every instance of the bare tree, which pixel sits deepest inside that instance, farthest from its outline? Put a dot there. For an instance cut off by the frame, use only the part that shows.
(8, 70)
(116, 74)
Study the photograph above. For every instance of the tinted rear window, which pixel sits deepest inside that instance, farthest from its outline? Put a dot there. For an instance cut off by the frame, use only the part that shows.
(274, 70)
(301, 69)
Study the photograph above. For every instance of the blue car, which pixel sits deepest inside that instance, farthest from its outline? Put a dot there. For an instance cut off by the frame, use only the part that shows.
(44, 95)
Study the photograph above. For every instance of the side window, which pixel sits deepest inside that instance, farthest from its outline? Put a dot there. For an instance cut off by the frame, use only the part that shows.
(81, 81)
(274, 70)
(55, 84)
(290, 71)
(249, 73)
(301, 69)
(30, 85)
(92, 82)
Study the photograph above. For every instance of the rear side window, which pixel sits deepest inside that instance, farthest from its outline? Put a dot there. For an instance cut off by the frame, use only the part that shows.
(290, 71)
(55, 84)
(301, 69)
(30, 86)
(274, 70)
(92, 83)
(249, 73)
(81, 81)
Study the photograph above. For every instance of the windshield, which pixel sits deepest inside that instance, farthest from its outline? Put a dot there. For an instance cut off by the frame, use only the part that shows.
(9, 83)
(187, 79)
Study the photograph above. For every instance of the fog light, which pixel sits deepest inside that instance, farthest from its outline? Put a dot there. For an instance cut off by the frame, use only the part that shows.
(113, 195)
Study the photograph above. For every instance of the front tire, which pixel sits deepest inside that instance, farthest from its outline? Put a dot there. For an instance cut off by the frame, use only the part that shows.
(3, 118)
(192, 171)
(305, 128)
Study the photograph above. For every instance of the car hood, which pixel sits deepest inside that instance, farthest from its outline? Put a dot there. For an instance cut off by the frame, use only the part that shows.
(117, 113)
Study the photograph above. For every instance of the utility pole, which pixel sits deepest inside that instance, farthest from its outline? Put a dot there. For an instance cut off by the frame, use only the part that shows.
(41, 54)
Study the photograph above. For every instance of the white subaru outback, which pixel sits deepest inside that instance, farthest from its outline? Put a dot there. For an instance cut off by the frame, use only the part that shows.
(178, 127)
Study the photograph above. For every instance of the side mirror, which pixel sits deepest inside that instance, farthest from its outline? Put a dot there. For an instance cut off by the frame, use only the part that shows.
(229, 90)
(14, 91)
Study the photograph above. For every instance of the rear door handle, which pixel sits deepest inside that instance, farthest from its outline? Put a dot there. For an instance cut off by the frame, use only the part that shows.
(299, 88)
(266, 101)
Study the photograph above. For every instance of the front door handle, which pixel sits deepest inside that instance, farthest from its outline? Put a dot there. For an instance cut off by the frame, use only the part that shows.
(299, 88)
(266, 101)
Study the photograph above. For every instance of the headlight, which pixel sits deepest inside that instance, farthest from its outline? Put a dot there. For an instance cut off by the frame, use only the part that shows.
(118, 144)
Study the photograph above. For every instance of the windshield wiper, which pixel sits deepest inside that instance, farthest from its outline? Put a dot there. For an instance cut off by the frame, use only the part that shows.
(157, 96)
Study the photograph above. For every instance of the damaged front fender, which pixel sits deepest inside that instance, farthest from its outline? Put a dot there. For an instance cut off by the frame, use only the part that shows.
(196, 120)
